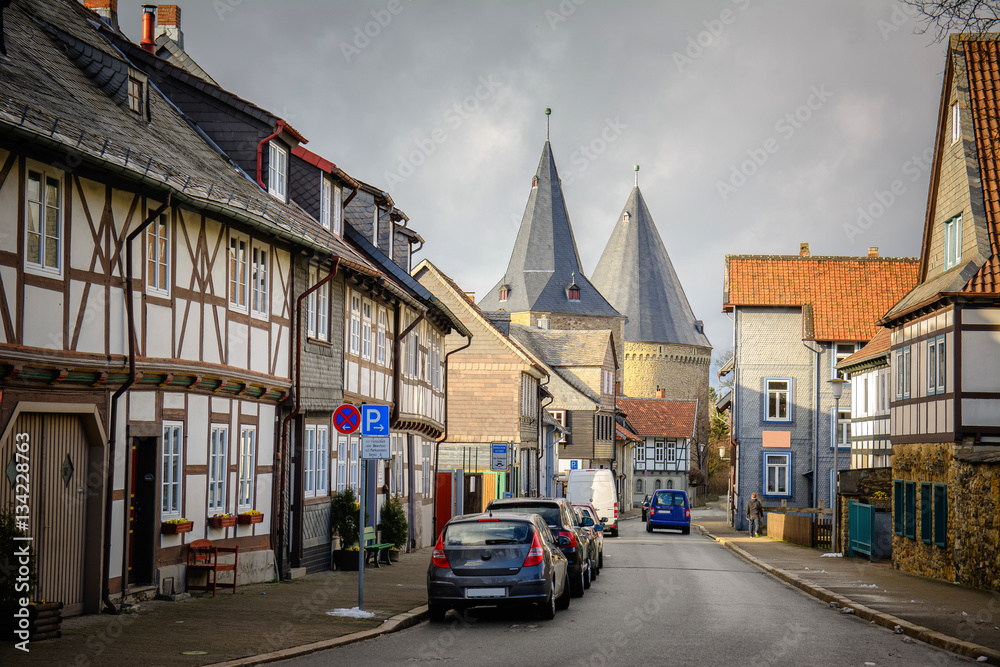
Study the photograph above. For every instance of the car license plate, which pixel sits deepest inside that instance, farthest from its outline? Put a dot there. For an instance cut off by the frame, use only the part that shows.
(485, 592)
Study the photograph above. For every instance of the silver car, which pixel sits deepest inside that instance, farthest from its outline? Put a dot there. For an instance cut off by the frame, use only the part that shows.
(497, 559)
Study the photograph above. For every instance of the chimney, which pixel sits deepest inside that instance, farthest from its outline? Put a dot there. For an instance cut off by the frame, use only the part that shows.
(106, 9)
(873, 251)
(661, 393)
(148, 16)
(803, 250)
(542, 322)
(168, 18)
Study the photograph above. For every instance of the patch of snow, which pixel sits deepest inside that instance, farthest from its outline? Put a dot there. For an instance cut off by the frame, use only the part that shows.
(832, 555)
(867, 585)
(353, 612)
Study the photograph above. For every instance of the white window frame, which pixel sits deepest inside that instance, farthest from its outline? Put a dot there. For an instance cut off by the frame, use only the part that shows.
(956, 123)
(672, 451)
(953, 242)
(338, 209)
(937, 364)
(247, 467)
(260, 279)
(158, 255)
(341, 463)
(412, 354)
(315, 464)
(640, 454)
(277, 170)
(354, 330)
(658, 448)
(325, 200)
(840, 351)
(902, 374)
(380, 337)
(354, 462)
(435, 362)
(778, 392)
(366, 329)
(239, 272)
(841, 428)
(425, 470)
(218, 472)
(375, 226)
(318, 308)
(43, 214)
(172, 468)
(781, 463)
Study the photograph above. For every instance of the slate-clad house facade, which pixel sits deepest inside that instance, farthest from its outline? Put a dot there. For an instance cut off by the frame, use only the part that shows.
(794, 319)
(945, 342)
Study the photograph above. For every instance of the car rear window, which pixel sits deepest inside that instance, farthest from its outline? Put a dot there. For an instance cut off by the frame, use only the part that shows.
(668, 499)
(550, 513)
(586, 512)
(480, 533)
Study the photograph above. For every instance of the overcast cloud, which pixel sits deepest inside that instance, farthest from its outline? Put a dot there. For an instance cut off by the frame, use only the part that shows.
(441, 104)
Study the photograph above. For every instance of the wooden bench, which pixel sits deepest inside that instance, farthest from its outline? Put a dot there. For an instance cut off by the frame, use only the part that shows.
(373, 550)
(203, 556)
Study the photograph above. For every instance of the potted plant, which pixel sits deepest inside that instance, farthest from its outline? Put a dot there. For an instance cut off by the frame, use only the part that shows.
(344, 523)
(176, 526)
(395, 529)
(250, 516)
(222, 520)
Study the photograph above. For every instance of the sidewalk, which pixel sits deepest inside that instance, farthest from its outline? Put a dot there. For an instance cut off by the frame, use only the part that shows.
(256, 622)
(963, 620)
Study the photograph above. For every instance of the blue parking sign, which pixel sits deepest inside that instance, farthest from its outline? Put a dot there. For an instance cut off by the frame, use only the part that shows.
(574, 464)
(374, 420)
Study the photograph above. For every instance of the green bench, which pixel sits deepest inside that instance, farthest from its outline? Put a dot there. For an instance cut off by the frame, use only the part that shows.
(373, 550)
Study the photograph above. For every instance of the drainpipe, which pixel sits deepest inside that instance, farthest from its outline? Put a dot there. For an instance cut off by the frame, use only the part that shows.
(815, 409)
(351, 196)
(109, 489)
(260, 152)
(444, 436)
(297, 333)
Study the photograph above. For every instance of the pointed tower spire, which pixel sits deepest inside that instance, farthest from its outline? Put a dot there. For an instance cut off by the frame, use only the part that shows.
(548, 114)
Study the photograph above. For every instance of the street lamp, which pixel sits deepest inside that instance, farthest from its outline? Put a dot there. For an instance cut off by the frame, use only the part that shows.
(837, 386)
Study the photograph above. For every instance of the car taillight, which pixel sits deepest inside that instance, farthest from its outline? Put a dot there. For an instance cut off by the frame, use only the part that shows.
(616, 510)
(571, 535)
(535, 553)
(687, 513)
(652, 510)
(438, 559)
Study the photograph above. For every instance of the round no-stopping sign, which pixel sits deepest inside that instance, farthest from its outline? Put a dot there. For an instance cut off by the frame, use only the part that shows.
(347, 419)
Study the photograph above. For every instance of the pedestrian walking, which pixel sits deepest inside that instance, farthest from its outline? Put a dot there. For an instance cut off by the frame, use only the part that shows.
(755, 514)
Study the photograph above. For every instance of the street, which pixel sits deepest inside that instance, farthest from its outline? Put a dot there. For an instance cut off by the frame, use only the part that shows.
(662, 598)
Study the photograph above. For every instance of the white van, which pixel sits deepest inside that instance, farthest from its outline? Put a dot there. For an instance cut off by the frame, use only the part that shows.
(596, 486)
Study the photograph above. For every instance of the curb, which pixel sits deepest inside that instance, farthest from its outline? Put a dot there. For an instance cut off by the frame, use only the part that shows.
(398, 622)
(919, 632)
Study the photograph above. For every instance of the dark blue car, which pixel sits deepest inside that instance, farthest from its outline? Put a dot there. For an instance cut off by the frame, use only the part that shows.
(669, 509)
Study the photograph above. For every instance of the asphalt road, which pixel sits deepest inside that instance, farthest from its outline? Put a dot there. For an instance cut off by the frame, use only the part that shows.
(661, 599)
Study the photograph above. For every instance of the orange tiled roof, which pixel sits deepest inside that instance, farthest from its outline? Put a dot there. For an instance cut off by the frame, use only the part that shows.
(660, 416)
(984, 81)
(625, 434)
(846, 295)
(877, 346)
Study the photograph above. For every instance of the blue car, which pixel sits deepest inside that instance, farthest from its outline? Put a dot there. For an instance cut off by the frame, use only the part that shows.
(669, 509)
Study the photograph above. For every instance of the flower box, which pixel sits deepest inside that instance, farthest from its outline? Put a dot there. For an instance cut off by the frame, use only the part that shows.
(221, 521)
(246, 519)
(176, 528)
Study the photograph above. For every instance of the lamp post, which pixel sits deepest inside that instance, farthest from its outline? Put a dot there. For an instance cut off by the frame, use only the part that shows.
(837, 386)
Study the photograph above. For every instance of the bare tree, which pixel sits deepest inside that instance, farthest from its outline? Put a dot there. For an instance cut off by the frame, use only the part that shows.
(947, 16)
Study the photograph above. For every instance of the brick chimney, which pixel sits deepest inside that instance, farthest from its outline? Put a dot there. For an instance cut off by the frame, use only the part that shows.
(106, 9)
(168, 21)
(873, 251)
(661, 393)
(803, 250)
(148, 17)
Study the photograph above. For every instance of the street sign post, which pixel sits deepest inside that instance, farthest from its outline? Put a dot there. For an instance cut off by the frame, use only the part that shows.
(373, 421)
(375, 447)
(498, 456)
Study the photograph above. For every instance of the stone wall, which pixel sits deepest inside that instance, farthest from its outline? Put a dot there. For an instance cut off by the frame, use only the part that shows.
(974, 518)
(924, 463)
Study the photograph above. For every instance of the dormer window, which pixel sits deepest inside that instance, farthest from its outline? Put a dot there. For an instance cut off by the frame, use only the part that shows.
(573, 291)
(277, 171)
(956, 123)
(953, 242)
(504, 292)
(626, 216)
(325, 201)
(534, 181)
(135, 90)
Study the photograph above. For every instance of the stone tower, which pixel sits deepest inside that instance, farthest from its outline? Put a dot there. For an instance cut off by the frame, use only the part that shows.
(666, 351)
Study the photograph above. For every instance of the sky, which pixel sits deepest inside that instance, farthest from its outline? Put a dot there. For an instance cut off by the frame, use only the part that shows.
(757, 124)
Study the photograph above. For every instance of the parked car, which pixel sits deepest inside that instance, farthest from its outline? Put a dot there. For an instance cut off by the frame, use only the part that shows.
(669, 509)
(589, 534)
(558, 515)
(497, 559)
(588, 511)
(596, 486)
(645, 507)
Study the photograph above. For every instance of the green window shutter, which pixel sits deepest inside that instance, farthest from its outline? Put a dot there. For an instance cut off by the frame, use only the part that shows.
(940, 514)
(910, 510)
(925, 512)
(897, 507)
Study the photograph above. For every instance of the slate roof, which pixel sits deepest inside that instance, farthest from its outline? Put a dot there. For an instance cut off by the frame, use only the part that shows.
(876, 349)
(636, 276)
(561, 347)
(664, 417)
(842, 297)
(171, 51)
(545, 260)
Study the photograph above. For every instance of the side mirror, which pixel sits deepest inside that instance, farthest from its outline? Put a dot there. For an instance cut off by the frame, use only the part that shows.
(564, 541)
(604, 519)
(587, 521)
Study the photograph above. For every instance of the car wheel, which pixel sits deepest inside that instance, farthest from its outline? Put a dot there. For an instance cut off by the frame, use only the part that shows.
(600, 560)
(547, 610)
(595, 568)
(437, 612)
(649, 527)
(588, 576)
(686, 530)
(562, 602)
(643, 516)
(614, 532)
(576, 585)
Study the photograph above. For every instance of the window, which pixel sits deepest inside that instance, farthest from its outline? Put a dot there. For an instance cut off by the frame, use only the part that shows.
(338, 210)
(903, 372)
(640, 453)
(840, 352)
(897, 507)
(380, 337)
(777, 474)
(341, 463)
(135, 95)
(953, 241)
(940, 514)
(504, 292)
(354, 463)
(378, 213)
(935, 365)
(573, 293)
(366, 330)
(657, 484)
(671, 452)
(218, 447)
(239, 262)
(354, 345)
(926, 513)
(247, 470)
(435, 361)
(316, 456)
(412, 354)
(277, 171)
(670, 483)
(638, 485)
(844, 427)
(425, 465)
(659, 451)
(158, 255)
(776, 408)
(956, 123)
(318, 308)
(43, 233)
(258, 281)
(325, 200)
(910, 510)
(172, 464)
